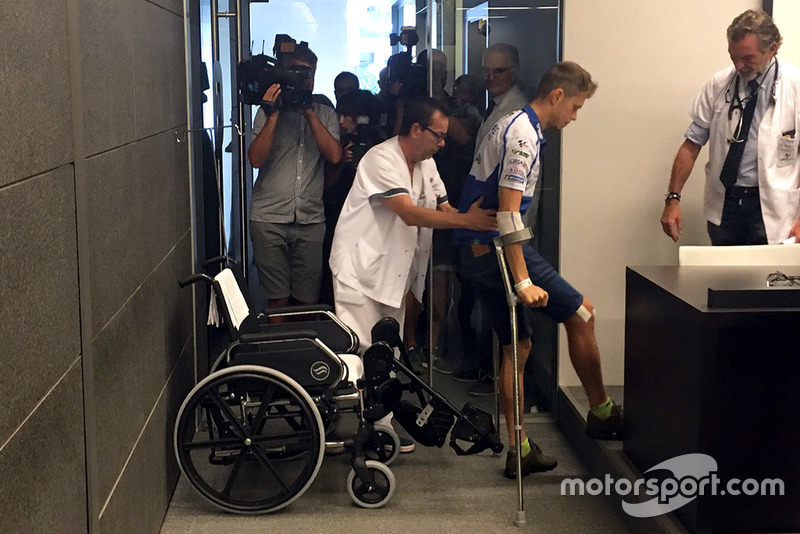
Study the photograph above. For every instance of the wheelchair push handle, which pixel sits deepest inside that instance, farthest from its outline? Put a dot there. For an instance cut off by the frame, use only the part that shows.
(194, 279)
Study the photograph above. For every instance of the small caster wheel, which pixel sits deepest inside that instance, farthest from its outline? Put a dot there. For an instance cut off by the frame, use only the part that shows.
(379, 494)
(385, 447)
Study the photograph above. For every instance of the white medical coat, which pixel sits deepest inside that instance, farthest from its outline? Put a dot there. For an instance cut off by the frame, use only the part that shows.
(778, 173)
(373, 250)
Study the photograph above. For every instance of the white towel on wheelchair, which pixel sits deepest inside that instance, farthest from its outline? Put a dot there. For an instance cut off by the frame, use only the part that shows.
(213, 311)
(234, 299)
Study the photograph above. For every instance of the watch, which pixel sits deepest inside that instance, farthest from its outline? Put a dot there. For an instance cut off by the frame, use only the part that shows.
(672, 195)
(268, 107)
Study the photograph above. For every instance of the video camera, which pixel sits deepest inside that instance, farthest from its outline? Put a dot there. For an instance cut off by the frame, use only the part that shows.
(258, 73)
(365, 110)
(367, 135)
(412, 76)
(361, 143)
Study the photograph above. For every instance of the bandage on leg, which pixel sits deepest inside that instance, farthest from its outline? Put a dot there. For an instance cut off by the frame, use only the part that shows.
(584, 313)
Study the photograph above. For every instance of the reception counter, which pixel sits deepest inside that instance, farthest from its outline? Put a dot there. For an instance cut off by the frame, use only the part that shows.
(720, 380)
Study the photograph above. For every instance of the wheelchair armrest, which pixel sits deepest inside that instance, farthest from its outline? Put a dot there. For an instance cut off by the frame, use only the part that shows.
(303, 308)
(282, 335)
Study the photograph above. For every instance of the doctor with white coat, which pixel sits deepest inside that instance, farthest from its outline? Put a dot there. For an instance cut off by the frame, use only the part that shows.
(749, 114)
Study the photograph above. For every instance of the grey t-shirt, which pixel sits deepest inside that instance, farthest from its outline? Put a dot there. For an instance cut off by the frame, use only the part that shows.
(290, 183)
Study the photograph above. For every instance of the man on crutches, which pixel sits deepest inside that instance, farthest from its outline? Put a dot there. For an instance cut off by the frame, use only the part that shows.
(504, 173)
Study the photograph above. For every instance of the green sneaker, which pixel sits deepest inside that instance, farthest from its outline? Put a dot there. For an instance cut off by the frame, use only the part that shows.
(533, 462)
(610, 428)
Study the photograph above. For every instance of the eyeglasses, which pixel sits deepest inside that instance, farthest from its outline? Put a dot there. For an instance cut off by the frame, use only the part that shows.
(439, 136)
(778, 278)
(499, 71)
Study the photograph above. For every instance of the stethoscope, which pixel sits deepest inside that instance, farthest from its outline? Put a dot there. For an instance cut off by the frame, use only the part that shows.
(737, 103)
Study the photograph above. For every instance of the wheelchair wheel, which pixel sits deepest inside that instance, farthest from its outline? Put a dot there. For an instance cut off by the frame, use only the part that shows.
(386, 445)
(380, 494)
(249, 439)
(218, 362)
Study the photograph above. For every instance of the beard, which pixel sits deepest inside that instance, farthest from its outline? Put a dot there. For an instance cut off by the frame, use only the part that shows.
(755, 73)
(752, 75)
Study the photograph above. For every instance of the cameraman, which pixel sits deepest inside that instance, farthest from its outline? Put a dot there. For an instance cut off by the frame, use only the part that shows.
(359, 118)
(287, 219)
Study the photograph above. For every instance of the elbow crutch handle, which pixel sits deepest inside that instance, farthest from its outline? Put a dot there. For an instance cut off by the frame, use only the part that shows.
(519, 236)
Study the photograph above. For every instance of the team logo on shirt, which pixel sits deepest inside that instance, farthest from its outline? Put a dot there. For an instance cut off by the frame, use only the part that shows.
(515, 161)
(520, 153)
(522, 144)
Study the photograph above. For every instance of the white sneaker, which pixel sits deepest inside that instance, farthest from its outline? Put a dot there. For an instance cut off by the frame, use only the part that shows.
(406, 445)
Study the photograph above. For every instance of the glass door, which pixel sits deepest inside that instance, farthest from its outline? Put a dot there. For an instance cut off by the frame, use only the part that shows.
(354, 36)
(460, 32)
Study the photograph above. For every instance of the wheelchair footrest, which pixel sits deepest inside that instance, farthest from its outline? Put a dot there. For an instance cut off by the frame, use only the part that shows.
(427, 426)
(475, 428)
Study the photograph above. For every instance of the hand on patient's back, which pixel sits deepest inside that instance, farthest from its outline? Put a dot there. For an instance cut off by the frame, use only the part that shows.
(480, 219)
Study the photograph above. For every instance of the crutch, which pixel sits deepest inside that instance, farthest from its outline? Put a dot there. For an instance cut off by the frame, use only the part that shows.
(501, 241)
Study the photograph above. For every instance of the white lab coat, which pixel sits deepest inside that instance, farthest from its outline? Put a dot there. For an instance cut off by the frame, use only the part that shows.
(778, 177)
(374, 251)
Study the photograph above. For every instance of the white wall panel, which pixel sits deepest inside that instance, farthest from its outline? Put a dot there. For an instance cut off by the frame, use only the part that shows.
(787, 16)
(650, 59)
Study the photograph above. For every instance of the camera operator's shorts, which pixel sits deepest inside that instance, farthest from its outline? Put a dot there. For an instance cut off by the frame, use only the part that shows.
(289, 259)
(484, 273)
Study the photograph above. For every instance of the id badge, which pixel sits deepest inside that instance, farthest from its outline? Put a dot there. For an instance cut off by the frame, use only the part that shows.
(787, 150)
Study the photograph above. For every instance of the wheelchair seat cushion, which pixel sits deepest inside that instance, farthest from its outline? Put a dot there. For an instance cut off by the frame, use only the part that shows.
(354, 367)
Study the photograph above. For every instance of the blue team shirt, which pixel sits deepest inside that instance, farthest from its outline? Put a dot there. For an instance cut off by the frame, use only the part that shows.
(507, 157)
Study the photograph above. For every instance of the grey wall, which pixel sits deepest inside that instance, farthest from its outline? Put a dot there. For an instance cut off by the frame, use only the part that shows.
(95, 336)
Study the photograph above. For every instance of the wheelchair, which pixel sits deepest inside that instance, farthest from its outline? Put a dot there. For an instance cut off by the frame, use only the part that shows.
(251, 436)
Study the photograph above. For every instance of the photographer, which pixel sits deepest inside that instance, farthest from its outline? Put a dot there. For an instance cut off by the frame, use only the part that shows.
(359, 118)
(359, 115)
(287, 220)
(345, 82)
(405, 80)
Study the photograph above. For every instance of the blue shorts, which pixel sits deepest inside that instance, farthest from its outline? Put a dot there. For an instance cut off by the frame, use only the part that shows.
(484, 272)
